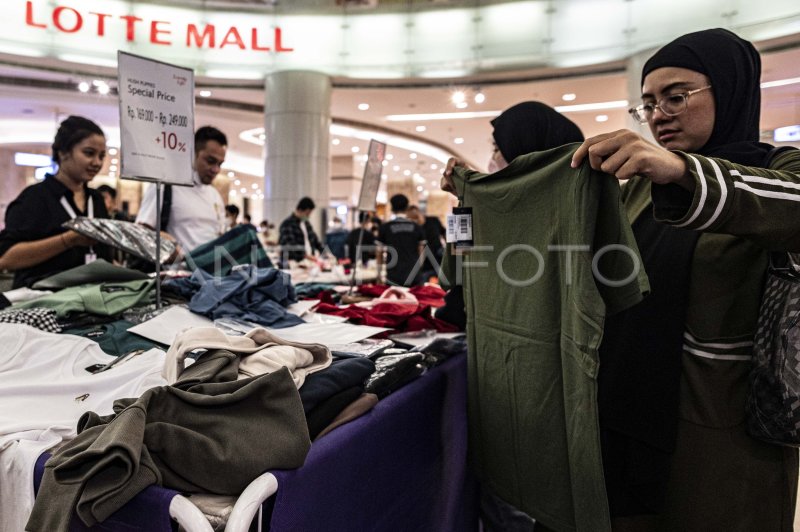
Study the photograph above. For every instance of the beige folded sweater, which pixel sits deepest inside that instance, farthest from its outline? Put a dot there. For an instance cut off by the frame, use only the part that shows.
(261, 352)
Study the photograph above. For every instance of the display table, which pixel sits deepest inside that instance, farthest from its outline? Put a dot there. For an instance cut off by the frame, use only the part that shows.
(401, 466)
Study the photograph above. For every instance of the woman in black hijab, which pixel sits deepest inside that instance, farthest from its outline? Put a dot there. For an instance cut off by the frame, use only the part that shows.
(674, 369)
(522, 128)
(532, 126)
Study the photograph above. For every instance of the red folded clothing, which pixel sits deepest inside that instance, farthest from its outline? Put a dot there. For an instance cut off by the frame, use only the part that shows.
(428, 295)
(398, 316)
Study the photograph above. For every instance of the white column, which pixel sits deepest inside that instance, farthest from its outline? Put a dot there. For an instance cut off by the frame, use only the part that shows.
(297, 122)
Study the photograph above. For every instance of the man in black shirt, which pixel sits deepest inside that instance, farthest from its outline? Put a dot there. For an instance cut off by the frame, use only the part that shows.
(404, 241)
(367, 239)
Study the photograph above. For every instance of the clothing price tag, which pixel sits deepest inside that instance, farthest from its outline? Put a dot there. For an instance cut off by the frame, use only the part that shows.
(459, 228)
(90, 257)
(452, 221)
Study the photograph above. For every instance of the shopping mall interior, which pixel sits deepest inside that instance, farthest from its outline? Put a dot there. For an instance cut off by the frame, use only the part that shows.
(423, 76)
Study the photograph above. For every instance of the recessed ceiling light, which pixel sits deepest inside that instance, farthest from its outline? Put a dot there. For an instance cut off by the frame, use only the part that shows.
(462, 105)
(363, 106)
(389, 156)
(396, 168)
(480, 97)
(458, 97)
(103, 89)
(233, 192)
(231, 174)
(601, 118)
(458, 140)
(384, 177)
(112, 151)
(237, 182)
(114, 161)
(83, 86)
(112, 168)
(406, 172)
(420, 188)
(204, 93)
(568, 97)
(420, 129)
(413, 155)
(434, 166)
(243, 190)
(355, 149)
(254, 186)
(336, 142)
(385, 163)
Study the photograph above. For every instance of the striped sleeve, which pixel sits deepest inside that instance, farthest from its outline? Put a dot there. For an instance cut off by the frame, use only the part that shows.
(756, 203)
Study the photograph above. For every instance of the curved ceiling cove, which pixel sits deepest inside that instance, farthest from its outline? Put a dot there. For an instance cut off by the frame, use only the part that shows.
(240, 43)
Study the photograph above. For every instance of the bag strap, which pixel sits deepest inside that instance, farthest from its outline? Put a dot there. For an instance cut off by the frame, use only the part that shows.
(779, 261)
(166, 206)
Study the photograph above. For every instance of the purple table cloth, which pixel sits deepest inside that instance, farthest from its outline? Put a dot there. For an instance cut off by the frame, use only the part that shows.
(400, 467)
(148, 511)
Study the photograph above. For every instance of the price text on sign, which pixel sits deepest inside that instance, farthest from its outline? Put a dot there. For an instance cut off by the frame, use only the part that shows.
(170, 141)
(156, 119)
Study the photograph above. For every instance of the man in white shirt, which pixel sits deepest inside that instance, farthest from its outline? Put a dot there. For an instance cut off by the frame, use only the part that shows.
(196, 214)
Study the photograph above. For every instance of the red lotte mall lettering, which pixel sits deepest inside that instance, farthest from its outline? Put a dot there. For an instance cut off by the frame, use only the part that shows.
(69, 20)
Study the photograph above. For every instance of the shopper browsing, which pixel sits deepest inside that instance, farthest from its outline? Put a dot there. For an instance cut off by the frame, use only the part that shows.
(297, 238)
(706, 205)
(194, 215)
(33, 244)
(705, 212)
(402, 240)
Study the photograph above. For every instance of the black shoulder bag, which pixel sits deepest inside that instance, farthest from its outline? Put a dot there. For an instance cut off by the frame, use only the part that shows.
(773, 404)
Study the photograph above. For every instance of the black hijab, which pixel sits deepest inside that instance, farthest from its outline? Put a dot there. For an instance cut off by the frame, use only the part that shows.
(734, 68)
(532, 126)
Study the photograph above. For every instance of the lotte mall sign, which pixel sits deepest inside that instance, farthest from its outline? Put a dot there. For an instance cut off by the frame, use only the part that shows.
(244, 42)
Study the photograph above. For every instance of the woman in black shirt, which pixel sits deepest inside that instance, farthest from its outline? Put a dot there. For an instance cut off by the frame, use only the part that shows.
(33, 243)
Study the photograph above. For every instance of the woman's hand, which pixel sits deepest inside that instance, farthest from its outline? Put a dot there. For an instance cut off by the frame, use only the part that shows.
(73, 239)
(625, 154)
(177, 254)
(447, 184)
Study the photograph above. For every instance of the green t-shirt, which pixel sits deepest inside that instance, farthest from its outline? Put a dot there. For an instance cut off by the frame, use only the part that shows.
(105, 299)
(554, 255)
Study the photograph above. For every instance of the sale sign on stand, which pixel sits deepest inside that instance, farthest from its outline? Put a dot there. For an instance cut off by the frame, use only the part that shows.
(156, 109)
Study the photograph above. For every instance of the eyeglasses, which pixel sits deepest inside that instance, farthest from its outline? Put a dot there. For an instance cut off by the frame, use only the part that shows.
(671, 105)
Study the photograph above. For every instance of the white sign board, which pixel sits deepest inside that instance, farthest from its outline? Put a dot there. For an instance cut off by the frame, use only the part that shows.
(156, 111)
(371, 181)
